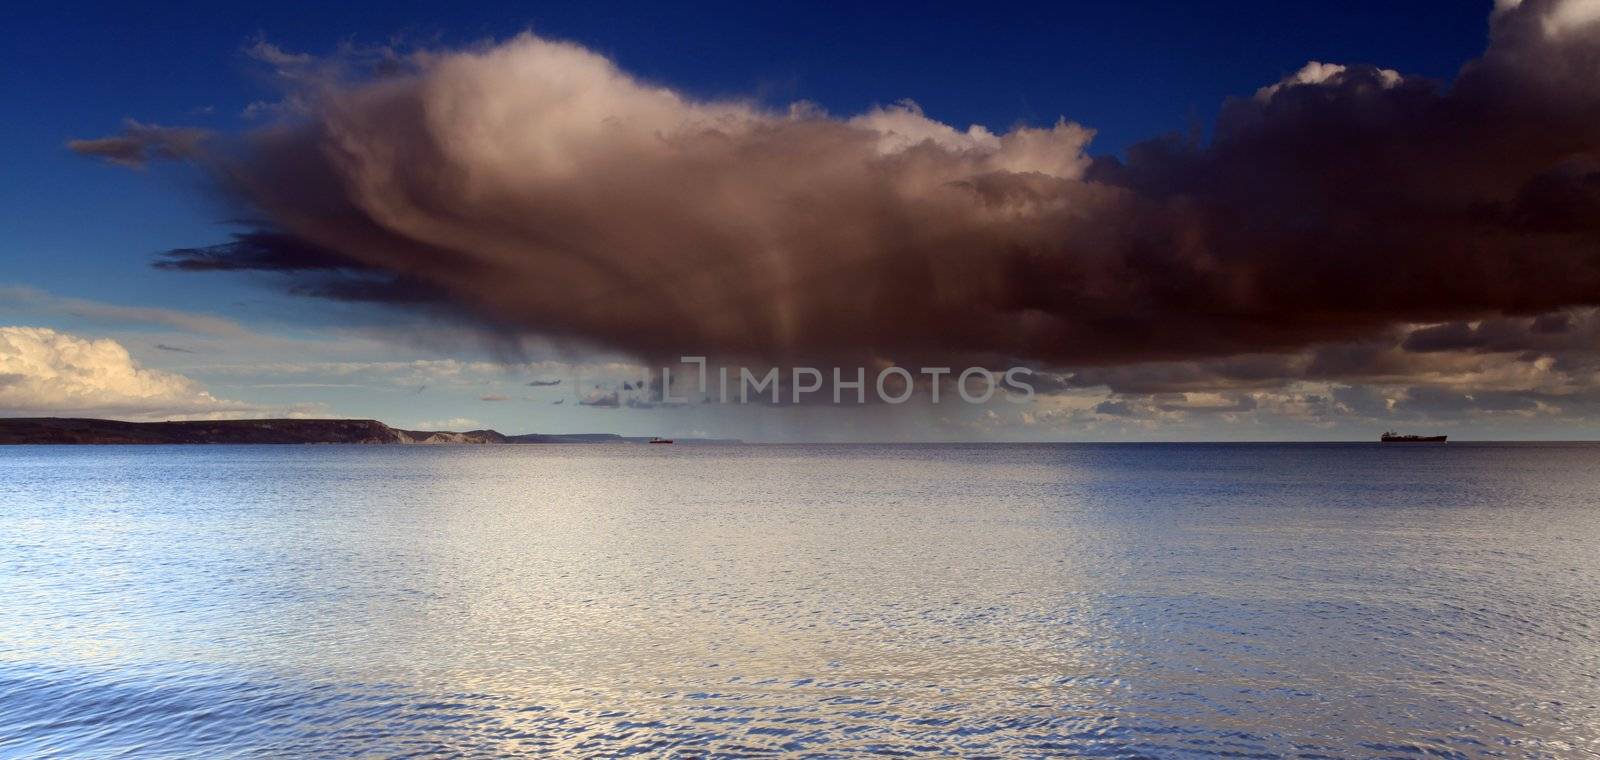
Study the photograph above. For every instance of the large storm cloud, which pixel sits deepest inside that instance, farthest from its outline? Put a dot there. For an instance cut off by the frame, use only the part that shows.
(534, 188)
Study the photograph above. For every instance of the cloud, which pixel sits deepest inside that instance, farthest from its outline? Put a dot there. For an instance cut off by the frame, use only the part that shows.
(1114, 408)
(277, 57)
(532, 187)
(44, 372)
(494, 397)
(1536, 372)
(1571, 16)
(418, 375)
(20, 299)
(1319, 73)
(141, 143)
(625, 211)
(602, 398)
(1557, 352)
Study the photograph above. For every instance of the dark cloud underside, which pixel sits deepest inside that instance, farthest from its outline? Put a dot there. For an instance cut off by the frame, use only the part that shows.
(536, 189)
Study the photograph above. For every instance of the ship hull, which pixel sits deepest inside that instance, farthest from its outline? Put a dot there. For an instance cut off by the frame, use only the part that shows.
(1413, 438)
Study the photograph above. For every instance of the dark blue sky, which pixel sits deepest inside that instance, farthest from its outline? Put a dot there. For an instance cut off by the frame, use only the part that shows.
(1130, 70)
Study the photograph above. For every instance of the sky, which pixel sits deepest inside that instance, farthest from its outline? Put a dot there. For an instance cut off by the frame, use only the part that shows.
(502, 215)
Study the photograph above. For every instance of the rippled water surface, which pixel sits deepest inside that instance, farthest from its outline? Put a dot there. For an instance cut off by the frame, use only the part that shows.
(1006, 601)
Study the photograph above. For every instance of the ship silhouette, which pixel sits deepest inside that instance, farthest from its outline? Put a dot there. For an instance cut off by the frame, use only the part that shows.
(1393, 437)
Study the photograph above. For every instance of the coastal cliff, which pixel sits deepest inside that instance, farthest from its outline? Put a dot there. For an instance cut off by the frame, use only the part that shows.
(68, 430)
(78, 430)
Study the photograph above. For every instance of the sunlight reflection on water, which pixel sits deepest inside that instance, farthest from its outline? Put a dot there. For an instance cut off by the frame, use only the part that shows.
(1119, 601)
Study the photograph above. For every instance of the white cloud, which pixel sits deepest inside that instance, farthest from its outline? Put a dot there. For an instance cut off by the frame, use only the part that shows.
(1570, 15)
(1317, 72)
(44, 372)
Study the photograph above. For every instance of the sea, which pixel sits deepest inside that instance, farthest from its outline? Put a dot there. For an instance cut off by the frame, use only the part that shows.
(1104, 601)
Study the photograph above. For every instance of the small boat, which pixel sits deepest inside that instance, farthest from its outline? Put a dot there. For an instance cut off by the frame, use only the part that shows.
(1392, 437)
(661, 440)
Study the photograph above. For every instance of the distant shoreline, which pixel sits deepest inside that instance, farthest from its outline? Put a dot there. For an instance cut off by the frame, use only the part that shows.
(87, 431)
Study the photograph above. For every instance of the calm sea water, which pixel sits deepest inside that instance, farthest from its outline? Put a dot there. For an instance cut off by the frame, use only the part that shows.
(1006, 601)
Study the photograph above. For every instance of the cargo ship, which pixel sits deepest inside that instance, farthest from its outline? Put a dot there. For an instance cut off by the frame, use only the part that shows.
(1392, 437)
